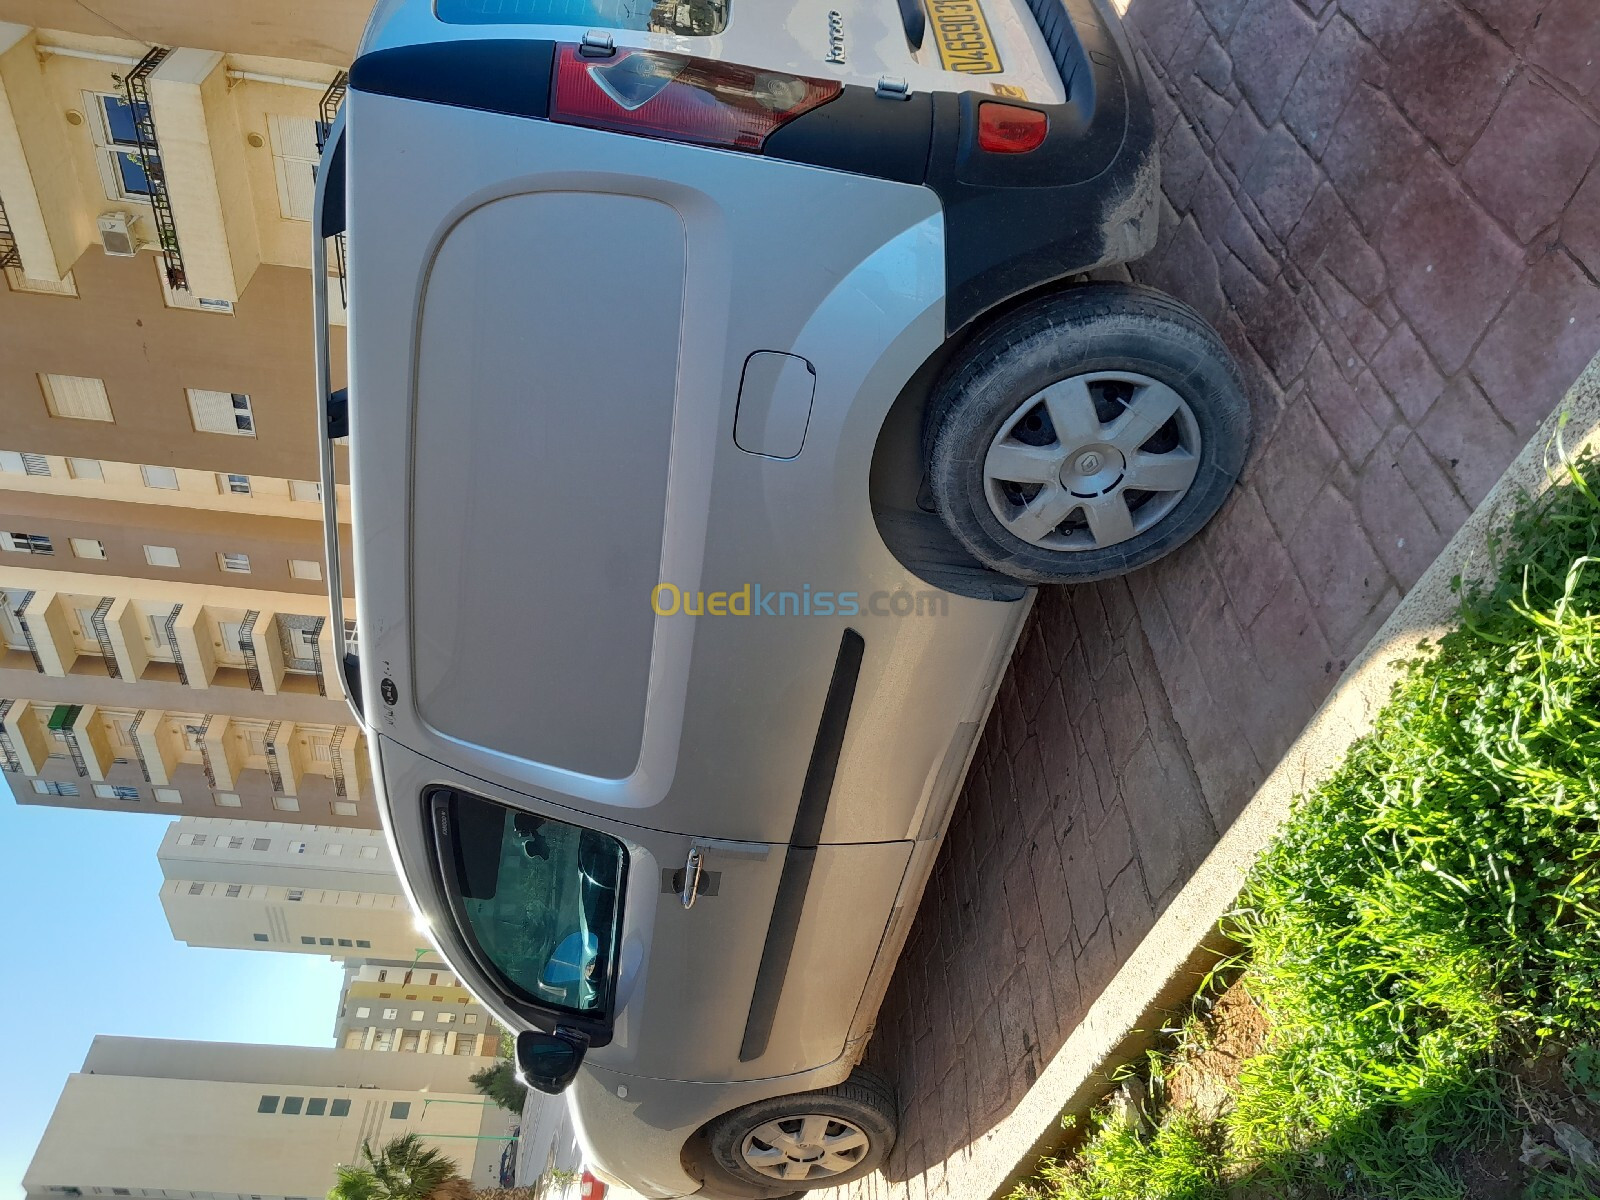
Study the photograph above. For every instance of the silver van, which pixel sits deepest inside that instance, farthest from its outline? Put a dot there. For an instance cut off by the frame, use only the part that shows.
(723, 378)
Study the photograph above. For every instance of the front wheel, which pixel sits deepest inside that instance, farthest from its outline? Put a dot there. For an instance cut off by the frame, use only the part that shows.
(1086, 435)
(811, 1140)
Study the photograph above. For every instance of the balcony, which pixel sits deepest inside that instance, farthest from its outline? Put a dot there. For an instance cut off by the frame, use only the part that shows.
(44, 212)
(204, 172)
(158, 744)
(78, 727)
(24, 741)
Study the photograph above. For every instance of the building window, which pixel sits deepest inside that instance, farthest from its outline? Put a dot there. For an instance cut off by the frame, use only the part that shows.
(317, 1106)
(234, 890)
(369, 852)
(197, 889)
(308, 941)
(297, 847)
(383, 976)
(400, 1110)
(295, 894)
(168, 796)
(49, 787)
(221, 412)
(26, 543)
(161, 556)
(239, 564)
(260, 937)
(292, 1105)
(390, 1014)
(470, 1019)
(305, 568)
(112, 791)
(446, 1018)
(362, 1013)
(269, 1104)
(347, 808)
(294, 162)
(417, 1014)
(160, 477)
(235, 843)
(239, 485)
(192, 839)
(261, 844)
(333, 849)
(325, 941)
(88, 548)
(76, 397)
(14, 463)
(341, 1108)
(346, 942)
(286, 804)
(85, 468)
(305, 491)
(228, 800)
(363, 944)
(121, 167)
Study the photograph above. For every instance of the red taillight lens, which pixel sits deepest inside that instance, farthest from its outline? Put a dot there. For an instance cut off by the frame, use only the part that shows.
(591, 1188)
(1007, 129)
(681, 98)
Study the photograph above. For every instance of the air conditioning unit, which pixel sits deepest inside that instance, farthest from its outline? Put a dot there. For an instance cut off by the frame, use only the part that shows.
(116, 235)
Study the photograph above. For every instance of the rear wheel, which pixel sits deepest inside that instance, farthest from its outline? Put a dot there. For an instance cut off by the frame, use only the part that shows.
(1086, 435)
(811, 1140)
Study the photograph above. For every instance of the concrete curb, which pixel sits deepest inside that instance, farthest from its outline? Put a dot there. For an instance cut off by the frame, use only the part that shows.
(1165, 967)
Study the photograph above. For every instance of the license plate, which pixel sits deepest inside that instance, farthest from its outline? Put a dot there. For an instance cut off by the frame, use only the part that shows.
(965, 43)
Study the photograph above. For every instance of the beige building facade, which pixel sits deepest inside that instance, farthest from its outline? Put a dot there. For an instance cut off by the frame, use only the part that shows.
(304, 889)
(165, 637)
(218, 1121)
(412, 1008)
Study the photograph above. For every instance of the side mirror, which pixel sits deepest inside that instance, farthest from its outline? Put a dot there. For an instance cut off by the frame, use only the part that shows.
(547, 1062)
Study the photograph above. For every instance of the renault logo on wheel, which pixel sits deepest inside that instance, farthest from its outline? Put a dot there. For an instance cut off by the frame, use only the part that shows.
(835, 36)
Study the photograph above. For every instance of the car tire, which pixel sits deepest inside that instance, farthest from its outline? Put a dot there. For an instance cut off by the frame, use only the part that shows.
(1109, 363)
(752, 1142)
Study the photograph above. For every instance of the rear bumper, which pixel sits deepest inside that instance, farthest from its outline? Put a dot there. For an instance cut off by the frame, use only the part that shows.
(1088, 197)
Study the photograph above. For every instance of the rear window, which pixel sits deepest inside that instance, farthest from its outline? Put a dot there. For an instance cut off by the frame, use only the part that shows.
(541, 900)
(683, 17)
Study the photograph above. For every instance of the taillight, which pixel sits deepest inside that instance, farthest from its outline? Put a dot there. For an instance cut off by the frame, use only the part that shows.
(681, 98)
(1007, 129)
(591, 1188)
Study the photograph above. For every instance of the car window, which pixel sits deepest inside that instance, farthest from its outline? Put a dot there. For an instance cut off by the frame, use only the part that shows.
(541, 900)
(690, 17)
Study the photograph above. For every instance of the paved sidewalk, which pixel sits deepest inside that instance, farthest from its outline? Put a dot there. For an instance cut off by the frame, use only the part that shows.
(1388, 209)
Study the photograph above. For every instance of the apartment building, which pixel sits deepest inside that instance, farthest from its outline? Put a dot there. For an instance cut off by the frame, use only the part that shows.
(165, 639)
(412, 1008)
(305, 889)
(148, 1117)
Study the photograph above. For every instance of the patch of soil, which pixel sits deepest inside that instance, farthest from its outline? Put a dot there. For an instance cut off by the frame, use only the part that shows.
(1203, 1079)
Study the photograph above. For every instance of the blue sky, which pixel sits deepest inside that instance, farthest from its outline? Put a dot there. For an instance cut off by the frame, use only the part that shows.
(87, 951)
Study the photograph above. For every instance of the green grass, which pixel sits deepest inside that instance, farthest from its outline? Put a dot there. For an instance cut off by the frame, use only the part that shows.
(1428, 920)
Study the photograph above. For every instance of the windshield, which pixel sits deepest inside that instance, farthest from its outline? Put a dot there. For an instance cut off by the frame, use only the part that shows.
(541, 900)
(683, 17)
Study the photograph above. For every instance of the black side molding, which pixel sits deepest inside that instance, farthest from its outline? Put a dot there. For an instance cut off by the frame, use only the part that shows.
(815, 793)
(503, 75)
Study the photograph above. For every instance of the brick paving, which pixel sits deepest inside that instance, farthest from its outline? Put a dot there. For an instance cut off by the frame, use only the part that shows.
(1390, 211)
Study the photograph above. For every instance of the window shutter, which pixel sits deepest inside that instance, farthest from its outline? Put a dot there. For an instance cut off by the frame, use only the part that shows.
(77, 397)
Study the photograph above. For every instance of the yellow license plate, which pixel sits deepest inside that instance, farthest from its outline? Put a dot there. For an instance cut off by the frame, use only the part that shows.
(965, 43)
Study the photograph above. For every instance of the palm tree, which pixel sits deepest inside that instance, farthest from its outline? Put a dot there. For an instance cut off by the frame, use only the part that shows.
(403, 1169)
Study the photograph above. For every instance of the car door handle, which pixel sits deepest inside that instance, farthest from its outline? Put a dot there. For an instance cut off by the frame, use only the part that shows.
(691, 876)
(700, 847)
